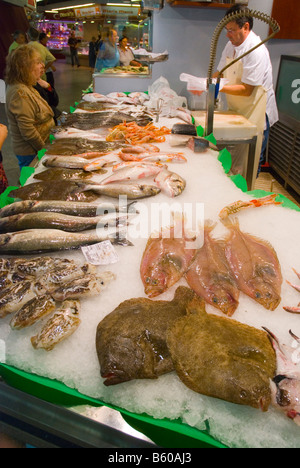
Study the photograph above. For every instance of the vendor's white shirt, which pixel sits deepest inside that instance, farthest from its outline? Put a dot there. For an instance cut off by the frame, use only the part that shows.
(257, 69)
(126, 57)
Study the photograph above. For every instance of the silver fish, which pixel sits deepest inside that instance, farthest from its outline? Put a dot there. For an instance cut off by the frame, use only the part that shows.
(61, 325)
(170, 183)
(70, 162)
(34, 310)
(13, 298)
(33, 241)
(64, 222)
(131, 191)
(88, 285)
(67, 207)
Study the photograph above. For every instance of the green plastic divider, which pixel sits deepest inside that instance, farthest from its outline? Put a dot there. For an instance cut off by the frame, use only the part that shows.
(4, 197)
(225, 159)
(164, 432)
(200, 131)
(26, 172)
(211, 138)
(41, 153)
(240, 182)
(52, 138)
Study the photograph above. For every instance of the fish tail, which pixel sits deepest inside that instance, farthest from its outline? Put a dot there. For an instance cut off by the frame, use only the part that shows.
(119, 240)
(231, 223)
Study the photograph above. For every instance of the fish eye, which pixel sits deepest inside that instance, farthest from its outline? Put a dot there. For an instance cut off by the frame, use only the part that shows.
(147, 279)
(258, 295)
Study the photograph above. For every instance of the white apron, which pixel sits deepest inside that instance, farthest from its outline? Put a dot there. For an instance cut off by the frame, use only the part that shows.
(251, 107)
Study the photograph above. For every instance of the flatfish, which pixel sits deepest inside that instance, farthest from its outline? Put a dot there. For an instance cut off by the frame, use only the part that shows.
(47, 190)
(86, 121)
(255, 266)
(210, 276)
(131, 340)
(222, 358)
(59, 173)
(68, 147)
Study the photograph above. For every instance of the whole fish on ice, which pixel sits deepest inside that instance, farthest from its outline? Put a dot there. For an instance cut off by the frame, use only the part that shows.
(65, 207)
(285, 386)
(131, 173)
(61, 190)
(50, 240)
(210, 276)
(170, 183)
(61, 221)
(222, 358)
(166, 259)
(131, 340)
(255, 266)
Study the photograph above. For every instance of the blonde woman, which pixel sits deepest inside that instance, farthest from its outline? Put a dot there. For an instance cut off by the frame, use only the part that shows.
(30, 118)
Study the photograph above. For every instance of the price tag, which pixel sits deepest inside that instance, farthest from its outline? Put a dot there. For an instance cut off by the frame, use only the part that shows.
(102, 253)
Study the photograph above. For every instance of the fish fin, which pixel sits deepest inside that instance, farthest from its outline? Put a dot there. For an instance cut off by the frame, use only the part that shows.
(119, 240)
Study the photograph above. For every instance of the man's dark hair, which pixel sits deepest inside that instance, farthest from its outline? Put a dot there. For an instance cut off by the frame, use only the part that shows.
(33, 34)
(238, 7)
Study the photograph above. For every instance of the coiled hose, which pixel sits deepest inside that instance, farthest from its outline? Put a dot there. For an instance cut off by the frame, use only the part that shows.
(227, 19)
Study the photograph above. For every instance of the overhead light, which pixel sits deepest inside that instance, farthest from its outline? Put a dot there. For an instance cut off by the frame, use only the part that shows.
(51, 11)
(122, 5)
(75, 6)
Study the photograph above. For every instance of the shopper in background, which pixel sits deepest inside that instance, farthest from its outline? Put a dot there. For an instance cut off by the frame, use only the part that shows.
(43, 39)
(73, 44)
(3, 178)
(19, 39)
(29, 116)
(50, 95)
(126, 54)
(48, 59)
(92, 52)
(108, 54)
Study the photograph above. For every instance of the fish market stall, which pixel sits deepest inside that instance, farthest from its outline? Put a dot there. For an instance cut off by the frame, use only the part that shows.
(164, 295)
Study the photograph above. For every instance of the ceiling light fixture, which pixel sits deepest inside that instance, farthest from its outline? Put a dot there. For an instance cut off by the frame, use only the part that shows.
(75, 6)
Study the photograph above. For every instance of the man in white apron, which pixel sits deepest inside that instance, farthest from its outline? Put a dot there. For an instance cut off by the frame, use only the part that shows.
(249, 90)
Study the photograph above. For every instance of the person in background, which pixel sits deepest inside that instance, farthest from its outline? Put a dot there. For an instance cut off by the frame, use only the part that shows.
(50, 95)
(19, 39)
(73, 44)
(250, 77)
(108, 54)
(30, 117)
(48, 59)
(92, 52)
(43, 38)
(126, 54)
(3, 178)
